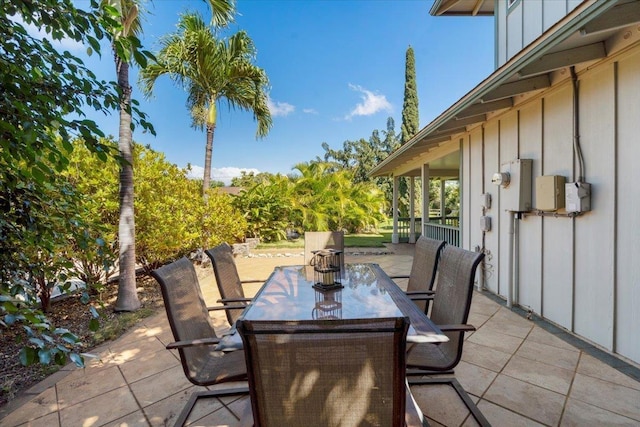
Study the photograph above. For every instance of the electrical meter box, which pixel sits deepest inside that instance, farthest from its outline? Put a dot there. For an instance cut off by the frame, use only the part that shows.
(550, 192)
(516, 191)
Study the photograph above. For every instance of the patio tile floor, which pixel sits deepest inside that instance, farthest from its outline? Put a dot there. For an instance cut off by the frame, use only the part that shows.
(519, 371)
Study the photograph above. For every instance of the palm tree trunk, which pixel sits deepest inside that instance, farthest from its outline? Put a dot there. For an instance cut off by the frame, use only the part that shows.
(127, 295)
(207, 159)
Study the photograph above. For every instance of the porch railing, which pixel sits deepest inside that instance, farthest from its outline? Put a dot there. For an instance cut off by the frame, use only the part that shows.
(446, 229)
(448, 233)
(404, 227)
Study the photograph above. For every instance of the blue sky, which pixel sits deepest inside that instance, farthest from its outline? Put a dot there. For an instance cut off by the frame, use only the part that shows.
(336, 70)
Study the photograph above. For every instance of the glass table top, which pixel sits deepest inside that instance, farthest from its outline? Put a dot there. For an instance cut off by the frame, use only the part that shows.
(366, 292)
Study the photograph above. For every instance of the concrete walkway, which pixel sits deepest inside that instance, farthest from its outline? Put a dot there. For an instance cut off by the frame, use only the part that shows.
(521, 372)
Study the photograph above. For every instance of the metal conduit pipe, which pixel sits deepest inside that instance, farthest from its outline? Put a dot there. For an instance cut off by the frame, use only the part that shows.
(510, 266)
(516, 258)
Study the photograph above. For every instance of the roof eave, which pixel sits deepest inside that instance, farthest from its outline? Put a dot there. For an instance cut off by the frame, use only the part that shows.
(560, 31)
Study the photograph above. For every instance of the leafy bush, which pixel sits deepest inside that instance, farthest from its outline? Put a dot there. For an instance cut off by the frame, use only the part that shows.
(94, 249)
(172, 217)
(328, 199)
(221, 221)
(167, 207)
(267, 208)
(46, 94)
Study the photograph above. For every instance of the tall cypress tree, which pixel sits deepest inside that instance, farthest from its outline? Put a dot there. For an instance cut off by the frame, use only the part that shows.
(410, 122)
(410, 115)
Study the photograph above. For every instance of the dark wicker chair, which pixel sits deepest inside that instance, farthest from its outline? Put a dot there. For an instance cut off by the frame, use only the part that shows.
(228, 281)
(318, 240)
(194, 334)
(328, 373)
(423, 271)
(450, 311)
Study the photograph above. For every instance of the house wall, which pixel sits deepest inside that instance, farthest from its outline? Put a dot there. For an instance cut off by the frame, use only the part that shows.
(525, 21)
(581, 273)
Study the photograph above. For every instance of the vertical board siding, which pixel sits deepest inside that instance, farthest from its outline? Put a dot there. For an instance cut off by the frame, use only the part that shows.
(594, 255)
(475, 189)
(508, 151)
(581, 273)
(628, 209)
(532, 21)
(514, 30)
(501, 33)
(552, 12)
(572, 4)
(466, 192)
(530, 275)
(492, 242)
(557, 238)
(525, 22)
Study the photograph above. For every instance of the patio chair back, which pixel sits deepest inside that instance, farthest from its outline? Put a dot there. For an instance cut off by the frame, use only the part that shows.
(424, 267)
(326, 373)
(190, 321)
(227, 278)
(451, 305)
(317, 240)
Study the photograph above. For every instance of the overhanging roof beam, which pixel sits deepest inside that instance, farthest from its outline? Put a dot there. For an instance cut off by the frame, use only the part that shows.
(444, 5)
(485, 107)
(477, 7)
(565, 58)
(462, 123)
(618, 17)
(516, 88)
(433, 141)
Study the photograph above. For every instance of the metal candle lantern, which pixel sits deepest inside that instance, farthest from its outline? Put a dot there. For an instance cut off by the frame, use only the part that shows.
(328, 305)
(326, 269)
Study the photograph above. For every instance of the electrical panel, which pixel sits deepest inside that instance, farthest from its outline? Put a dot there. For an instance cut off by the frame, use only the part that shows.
(577, 196)
(515, 180)
(550, 192)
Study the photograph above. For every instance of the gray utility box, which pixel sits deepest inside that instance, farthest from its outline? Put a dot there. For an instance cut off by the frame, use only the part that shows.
(516, 195)
(550, 192)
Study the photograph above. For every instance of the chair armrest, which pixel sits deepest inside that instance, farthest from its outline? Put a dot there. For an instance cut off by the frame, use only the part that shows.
(227, 307)
(253, 281)
(226, 300)
(193, 343)
(399, 277)
(421, 297)
(459, 328)
(420, 292)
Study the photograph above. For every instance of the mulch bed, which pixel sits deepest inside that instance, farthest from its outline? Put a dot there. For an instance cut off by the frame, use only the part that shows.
(70, 313)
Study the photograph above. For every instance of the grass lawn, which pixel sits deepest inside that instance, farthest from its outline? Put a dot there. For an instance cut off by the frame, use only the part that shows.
(369, 240)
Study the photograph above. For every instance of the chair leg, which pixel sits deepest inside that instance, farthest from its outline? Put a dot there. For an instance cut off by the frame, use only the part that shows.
(182, 418)
(453, 382)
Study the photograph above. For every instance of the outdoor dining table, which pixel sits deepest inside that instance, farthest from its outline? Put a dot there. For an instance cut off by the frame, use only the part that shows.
(365, 291)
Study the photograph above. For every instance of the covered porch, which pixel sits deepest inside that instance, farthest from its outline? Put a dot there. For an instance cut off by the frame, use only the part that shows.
(442, 210)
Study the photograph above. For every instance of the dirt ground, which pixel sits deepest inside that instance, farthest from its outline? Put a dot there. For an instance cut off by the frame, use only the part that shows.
(70, 313)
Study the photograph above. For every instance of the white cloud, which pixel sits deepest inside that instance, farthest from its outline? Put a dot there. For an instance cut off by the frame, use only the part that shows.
(220, 174)
(371, 103)
(279, 108)
(309, 111)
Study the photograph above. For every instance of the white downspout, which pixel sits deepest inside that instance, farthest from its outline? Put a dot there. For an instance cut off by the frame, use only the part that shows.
(412, 209)
(395, 238)
(425, 197)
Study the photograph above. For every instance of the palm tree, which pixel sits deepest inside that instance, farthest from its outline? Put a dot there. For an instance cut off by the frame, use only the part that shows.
(130, 25)
(211, 70)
